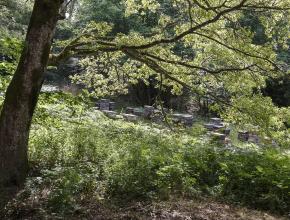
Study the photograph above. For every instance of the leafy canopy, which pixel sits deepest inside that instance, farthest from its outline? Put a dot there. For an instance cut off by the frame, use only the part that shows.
(201, 46)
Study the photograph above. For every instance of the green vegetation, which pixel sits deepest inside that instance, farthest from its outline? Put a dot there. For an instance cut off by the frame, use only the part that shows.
(78, 156)
(227, 59)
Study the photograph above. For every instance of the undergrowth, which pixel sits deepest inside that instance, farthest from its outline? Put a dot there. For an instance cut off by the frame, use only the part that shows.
(76, 156)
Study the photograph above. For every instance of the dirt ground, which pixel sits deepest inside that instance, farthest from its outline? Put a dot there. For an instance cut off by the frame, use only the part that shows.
(184, 210)
(173, 210)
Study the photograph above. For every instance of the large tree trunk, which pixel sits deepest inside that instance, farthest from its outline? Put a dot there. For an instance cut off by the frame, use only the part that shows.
(22, 93)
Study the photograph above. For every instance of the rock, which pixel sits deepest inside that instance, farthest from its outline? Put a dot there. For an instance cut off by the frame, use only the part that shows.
(119, 117)
(178, 116)
(148, 111)
(243, 135)
(104, 101)
(218, 136)
(104, 104)
(52, 76)
(213, 127)
(218, 127)
(185, 119)
(130, 117)
(129, 110)
(157, 111)
(209, 126)
(72, 61)
(138, 112)
(110, 114)
(49, 88)
(216, 121)
(253, 138)
(112, 106)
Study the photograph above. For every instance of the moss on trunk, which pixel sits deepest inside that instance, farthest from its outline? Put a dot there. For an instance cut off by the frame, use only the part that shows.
(23, 91)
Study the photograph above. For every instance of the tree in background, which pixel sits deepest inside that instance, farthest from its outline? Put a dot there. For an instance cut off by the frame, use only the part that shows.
(14, 17)
(277, 88)
(211, 49)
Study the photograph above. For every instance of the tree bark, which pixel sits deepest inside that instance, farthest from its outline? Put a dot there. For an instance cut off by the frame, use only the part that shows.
(23, 91)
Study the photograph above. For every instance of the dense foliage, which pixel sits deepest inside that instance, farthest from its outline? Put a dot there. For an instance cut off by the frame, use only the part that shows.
(224, 53)
(14, 17)
(9, 54)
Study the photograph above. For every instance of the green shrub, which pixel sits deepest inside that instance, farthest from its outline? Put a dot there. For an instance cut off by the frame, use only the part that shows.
(103, 158)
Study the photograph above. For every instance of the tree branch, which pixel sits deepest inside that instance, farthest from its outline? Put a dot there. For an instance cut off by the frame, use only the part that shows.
(217, 71)
(238, 50)
(190, 30)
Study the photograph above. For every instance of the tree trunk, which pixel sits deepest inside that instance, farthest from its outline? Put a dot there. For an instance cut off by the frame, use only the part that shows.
(22, 93)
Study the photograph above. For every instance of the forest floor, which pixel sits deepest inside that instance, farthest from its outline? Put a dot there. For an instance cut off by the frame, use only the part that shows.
(205, 209)
(181, 210)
